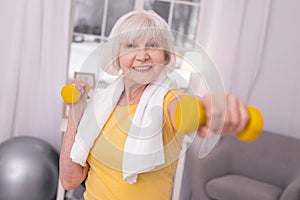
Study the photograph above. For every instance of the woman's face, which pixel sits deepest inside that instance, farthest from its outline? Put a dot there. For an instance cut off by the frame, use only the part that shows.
(142, 60)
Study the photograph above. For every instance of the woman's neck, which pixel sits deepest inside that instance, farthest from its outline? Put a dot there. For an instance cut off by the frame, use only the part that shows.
(132, 94)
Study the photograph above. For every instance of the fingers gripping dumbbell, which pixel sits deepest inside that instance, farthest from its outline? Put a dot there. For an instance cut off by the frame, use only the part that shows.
(71, 93)
(190, 115)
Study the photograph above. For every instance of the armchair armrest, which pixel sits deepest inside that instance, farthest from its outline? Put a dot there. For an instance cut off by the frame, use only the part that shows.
(292, 191)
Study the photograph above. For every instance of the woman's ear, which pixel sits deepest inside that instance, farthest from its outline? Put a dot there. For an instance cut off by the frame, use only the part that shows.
(167, 58)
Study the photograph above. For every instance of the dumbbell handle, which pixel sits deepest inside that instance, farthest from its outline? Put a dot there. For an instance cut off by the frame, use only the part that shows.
(71, 93)
(190, 115)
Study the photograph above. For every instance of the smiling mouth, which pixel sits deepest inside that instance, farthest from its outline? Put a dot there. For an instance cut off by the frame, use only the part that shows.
(142, 68)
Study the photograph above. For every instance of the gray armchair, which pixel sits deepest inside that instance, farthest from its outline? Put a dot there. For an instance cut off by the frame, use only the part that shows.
(267, 169)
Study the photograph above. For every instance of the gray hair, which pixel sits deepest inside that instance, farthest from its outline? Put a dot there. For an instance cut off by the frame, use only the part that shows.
(135, 24)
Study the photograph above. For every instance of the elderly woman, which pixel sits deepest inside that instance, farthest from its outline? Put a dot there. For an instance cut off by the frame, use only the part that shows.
(129, 148)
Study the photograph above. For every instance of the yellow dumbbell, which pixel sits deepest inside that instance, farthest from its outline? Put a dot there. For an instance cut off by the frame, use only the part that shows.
(71, 93)
(190, 115)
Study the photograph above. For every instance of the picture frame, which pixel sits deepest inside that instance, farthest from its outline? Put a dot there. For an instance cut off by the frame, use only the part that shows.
(89, 77)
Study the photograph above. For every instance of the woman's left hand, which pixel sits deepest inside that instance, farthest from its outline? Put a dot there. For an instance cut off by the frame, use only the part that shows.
(231, 122)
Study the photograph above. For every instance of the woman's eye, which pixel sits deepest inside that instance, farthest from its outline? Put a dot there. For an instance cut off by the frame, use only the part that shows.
(129, 45)
(152, 45)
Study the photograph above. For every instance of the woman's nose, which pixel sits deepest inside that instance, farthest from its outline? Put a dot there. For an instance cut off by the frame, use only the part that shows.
(142, 54)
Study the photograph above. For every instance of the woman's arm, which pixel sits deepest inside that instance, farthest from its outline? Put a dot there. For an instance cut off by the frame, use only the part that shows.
(72, 174)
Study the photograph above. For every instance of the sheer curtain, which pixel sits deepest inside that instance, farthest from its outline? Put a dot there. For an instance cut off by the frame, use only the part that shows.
(233, 33)
(35, 38)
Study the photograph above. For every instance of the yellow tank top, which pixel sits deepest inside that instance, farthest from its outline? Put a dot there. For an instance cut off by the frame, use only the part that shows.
(105, 178)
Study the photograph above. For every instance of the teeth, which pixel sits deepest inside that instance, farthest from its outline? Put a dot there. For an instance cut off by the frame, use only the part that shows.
(142, 68)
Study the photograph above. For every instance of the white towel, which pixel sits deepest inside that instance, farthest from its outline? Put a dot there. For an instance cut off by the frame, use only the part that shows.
(143, 150)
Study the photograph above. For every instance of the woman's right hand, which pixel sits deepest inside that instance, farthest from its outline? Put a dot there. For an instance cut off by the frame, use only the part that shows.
(76, 109)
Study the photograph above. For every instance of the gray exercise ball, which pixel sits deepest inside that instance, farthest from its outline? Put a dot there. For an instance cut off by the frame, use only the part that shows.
(28, 169)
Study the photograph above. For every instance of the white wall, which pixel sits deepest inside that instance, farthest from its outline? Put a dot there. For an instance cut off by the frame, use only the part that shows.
(277, 89)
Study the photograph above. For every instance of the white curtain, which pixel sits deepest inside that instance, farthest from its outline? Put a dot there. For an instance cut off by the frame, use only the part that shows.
(233, 33)
(34, 51)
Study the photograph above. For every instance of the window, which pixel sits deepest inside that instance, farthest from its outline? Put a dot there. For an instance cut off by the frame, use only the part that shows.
(94, 19)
